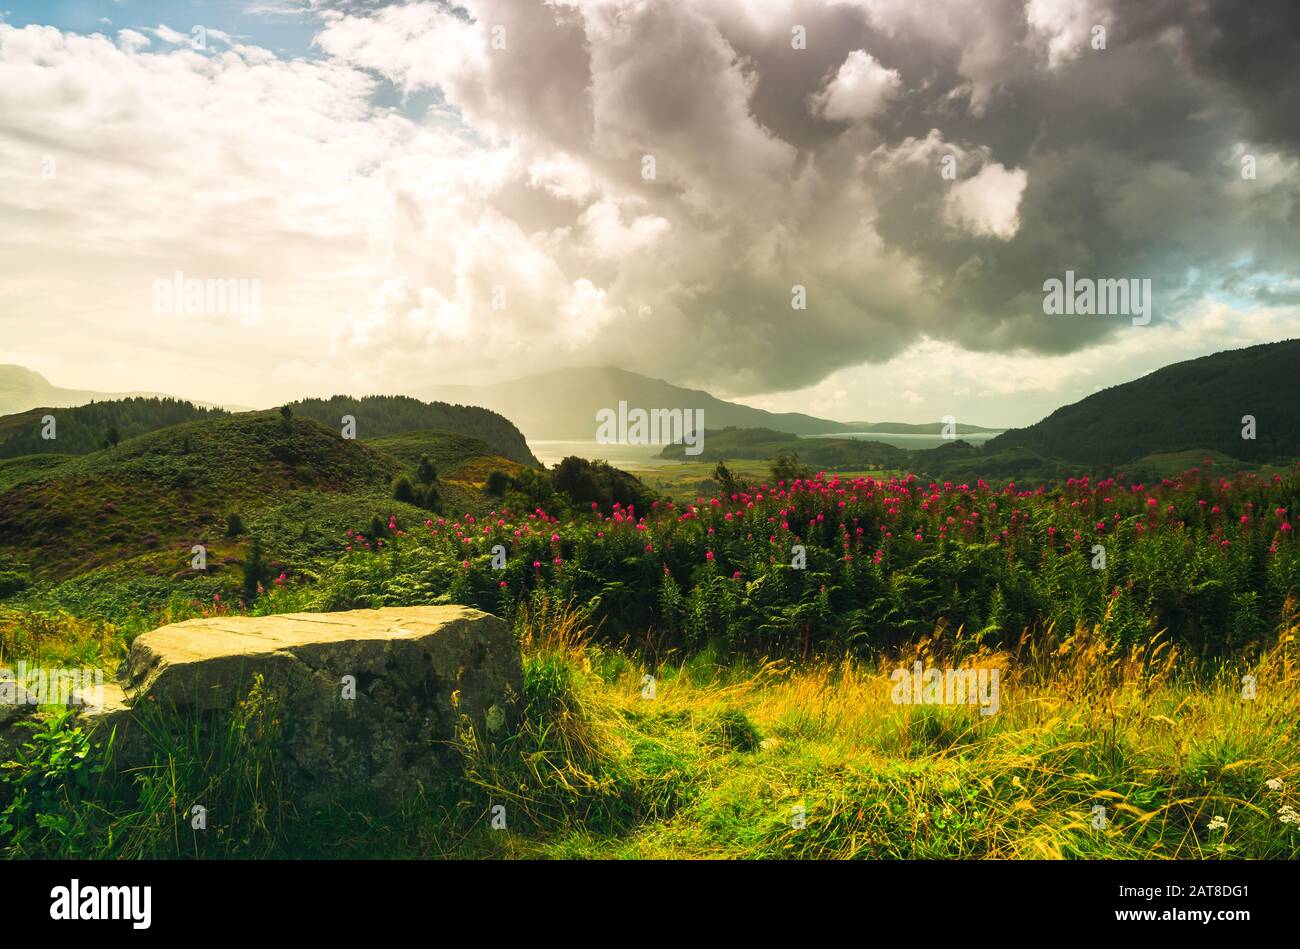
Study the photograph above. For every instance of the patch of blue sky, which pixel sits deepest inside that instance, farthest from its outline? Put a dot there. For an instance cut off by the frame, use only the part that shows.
(285, 27)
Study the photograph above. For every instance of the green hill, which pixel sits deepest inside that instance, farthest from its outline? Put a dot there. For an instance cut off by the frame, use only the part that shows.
(86, 427)
(450, 452)
(110, 532)
(380, 415)
(917, 428)
(1171, 464)
(173, 488)
(1190, 406)
(463, 463)
(955, 461)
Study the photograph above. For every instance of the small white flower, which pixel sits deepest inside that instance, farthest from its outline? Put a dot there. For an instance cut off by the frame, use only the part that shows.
(1273, 784)
(1288, 815)
(1218, 823)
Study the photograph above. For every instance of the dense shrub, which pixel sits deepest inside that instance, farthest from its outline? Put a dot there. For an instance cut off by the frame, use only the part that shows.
(11, 581)
(429, 498)
(584, 482)
(497, 483)
(403, 490)
(256, 571)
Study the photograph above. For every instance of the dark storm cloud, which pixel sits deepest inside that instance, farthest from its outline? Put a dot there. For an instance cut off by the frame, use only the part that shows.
(1122, 162)
(1251, 48)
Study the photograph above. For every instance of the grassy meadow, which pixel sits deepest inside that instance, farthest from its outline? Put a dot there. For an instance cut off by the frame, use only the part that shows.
(683, 481)
(709, 654)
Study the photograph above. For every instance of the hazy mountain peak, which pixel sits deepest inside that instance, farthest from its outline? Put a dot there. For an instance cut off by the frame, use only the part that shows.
(562, 403)
(22, 389)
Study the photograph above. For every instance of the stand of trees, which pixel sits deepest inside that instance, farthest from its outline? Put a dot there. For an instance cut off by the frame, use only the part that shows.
(86, 428)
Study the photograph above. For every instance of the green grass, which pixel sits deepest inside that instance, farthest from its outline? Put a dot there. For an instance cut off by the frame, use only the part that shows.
(1163, 749)
(60, 798)
(15, 471)
(748, 760)
(1170, 464)
(687, 480)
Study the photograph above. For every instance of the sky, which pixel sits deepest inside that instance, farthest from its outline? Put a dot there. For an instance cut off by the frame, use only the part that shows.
(849, 208)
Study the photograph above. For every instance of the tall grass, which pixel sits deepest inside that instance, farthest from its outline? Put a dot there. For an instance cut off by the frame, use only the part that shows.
(724, 759)
(212, 787)
(1097, 750)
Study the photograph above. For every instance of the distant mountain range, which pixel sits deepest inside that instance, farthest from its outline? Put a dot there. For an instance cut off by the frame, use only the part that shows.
(22, 389)
(1201, 405)
(918, 428)
(556, 405)
(174, 475)
(1155, 426)
(562, 404)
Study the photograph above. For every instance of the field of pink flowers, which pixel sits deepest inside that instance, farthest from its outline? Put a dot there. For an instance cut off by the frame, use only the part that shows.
(826, 565)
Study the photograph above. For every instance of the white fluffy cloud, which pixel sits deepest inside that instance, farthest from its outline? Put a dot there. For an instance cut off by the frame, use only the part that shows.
(609, 237)
(989, 202)
(860, 89)
(1065, 26)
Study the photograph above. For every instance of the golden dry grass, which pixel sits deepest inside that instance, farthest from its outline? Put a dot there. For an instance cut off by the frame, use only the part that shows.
(1163, 746)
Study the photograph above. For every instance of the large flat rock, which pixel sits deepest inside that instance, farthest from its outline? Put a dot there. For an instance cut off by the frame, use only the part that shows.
(370, 699)
(198, 662)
